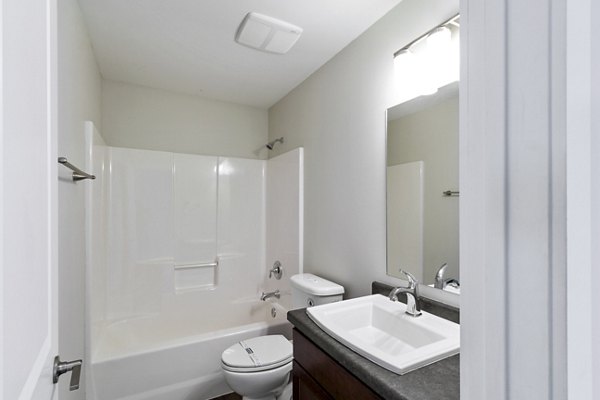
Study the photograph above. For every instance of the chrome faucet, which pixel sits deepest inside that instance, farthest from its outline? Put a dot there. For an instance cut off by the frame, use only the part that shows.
(413, 302)
(440, 282)
(264, 296)
(439, 277)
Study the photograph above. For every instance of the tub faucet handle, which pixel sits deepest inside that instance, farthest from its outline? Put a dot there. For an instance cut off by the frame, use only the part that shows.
(277, 270)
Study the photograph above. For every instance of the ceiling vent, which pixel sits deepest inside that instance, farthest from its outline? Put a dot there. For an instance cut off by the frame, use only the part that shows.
(266, 33)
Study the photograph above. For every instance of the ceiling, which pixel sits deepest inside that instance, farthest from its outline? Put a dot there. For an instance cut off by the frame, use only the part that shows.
(188, 46)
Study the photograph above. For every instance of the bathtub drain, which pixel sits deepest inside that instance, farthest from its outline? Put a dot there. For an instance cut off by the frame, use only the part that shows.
(273, 312)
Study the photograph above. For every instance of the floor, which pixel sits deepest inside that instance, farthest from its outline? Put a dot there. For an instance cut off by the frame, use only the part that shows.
(230, 396)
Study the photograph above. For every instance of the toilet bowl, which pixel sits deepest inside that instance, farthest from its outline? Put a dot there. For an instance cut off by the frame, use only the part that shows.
(258, 368)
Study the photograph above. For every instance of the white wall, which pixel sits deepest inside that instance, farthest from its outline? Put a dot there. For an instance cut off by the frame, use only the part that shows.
(78, 101)
(431, 135)
(144, 118)
(338, 116)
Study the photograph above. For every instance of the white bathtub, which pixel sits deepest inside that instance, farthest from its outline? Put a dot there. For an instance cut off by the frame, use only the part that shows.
(168, 359)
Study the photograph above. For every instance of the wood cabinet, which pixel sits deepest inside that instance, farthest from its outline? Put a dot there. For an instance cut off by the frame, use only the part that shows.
(317, 376)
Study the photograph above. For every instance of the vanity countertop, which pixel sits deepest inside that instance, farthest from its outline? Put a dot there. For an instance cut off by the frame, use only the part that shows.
(437, 381)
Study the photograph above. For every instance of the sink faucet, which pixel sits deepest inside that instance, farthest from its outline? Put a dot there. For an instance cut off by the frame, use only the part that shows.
(264, 296)
(439, 277)
(440, 282)
(413, 303)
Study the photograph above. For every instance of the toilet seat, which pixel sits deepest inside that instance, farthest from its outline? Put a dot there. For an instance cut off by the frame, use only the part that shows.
(258, 354)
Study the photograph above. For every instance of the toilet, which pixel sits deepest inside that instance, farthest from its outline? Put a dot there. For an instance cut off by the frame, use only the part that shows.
(259, 368)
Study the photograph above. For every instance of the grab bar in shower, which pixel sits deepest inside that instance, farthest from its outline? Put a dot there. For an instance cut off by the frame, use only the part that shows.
(78, 175)
(213, 264)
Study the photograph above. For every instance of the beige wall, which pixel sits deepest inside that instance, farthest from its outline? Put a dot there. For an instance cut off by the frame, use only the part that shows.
(338, 116)
(144, 118)
(431, 136)
(78, 101)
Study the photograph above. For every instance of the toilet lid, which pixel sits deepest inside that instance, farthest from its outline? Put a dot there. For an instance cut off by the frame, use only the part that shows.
(258, 354)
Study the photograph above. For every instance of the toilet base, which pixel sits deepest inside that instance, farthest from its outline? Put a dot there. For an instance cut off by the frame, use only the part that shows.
(285, 395)
(261, 385)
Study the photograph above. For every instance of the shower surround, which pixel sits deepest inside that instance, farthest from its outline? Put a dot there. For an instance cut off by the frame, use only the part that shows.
(179, 247)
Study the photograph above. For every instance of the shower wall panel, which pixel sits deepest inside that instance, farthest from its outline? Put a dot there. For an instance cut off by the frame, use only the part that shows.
(285, 218)
(96, 200)
(195, 208)
(140, 231)
(195, 214)
(166, 211)
(241, 226)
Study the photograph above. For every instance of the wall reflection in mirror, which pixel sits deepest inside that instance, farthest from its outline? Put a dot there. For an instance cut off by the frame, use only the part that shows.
(422, 182)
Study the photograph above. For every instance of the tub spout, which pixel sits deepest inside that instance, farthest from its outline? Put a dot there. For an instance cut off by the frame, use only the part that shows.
(264, 296)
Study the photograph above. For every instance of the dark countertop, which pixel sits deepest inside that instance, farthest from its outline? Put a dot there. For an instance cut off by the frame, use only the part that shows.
(438, 381)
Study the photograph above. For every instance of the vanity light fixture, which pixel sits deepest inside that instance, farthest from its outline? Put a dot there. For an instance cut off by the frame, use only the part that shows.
(268, 34)
(428, 62)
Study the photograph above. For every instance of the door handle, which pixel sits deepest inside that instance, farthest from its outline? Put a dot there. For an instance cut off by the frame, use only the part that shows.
(61, 367)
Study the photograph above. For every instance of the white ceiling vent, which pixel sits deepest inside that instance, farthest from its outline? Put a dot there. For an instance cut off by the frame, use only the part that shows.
(267, 33)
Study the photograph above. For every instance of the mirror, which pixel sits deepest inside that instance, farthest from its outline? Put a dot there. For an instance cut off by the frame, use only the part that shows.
(422, 187)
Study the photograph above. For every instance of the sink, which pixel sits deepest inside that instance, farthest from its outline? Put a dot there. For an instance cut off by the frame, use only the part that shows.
(381, 331)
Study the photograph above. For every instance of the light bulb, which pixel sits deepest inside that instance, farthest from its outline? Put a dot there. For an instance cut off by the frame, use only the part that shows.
(439, 39)
(439, 48)
(404, 71)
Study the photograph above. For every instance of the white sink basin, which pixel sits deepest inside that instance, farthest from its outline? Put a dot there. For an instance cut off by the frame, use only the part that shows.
(380, 330)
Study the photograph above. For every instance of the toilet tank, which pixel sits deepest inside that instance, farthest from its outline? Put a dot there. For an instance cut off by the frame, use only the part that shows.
(310, 290)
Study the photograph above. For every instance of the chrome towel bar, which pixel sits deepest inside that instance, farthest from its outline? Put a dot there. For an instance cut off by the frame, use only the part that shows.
(78, 174)
(452, 193)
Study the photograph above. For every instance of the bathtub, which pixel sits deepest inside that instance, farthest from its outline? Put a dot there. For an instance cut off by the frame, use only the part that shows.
(166, 358)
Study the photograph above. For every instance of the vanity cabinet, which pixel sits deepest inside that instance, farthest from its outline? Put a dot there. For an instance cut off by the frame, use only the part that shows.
(317, 376)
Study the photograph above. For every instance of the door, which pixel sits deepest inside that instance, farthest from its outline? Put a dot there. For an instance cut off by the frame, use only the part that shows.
(28, 199)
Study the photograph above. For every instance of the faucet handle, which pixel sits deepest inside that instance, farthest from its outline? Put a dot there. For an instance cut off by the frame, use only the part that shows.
(412, 281)
(277, 270)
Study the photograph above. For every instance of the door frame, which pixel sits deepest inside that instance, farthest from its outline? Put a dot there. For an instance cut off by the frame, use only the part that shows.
(529, 107)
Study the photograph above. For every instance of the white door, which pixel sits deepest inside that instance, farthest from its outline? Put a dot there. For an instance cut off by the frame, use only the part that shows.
(28, 209)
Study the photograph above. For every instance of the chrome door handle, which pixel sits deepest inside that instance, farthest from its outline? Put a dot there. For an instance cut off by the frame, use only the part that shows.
(61, 367)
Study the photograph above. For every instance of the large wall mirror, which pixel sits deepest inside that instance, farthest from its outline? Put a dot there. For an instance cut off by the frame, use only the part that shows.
(422, 160)
(423, 188)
